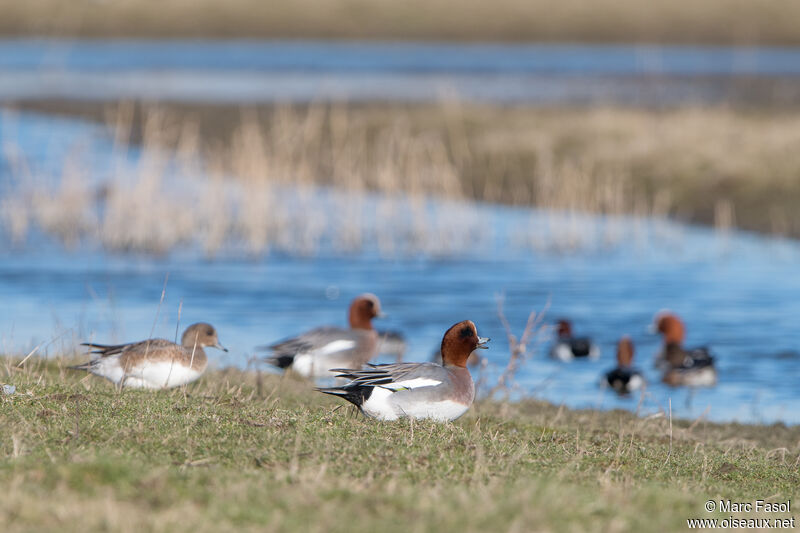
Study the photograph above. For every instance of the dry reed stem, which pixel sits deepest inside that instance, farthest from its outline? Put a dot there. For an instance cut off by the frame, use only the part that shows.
(305, 179)
(518, 347)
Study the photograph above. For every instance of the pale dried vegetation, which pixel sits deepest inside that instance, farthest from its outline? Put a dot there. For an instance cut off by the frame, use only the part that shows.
(403, 179)
(682, 21)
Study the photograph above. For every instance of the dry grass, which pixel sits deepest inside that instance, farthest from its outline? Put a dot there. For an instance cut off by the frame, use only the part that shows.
(298, 179)
(678, 21)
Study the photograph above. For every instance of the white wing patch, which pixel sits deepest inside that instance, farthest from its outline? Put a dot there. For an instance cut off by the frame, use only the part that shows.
(336, 346)
(562, 352)
(635, 382)
(411, 384)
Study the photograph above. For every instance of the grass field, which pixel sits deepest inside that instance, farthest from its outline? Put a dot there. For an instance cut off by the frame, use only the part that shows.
(237, 451)
(675, 21)
(716, 166)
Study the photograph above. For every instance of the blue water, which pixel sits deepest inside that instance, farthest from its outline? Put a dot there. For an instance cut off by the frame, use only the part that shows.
(737, 292)
(258, 71)
(287, 56)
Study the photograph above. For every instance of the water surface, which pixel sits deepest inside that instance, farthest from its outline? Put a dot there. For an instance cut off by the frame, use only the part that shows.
(302, 71)
(736, 291)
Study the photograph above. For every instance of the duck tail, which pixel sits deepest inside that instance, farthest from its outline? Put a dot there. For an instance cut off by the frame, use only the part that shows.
(280, 361)
(355, 395)
(87, 366)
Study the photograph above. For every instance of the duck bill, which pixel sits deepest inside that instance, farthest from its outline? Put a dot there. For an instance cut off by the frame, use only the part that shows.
(218, 346)
(482, 343)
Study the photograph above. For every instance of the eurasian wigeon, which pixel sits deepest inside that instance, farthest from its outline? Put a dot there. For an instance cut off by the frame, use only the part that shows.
(313, 353)
(154, 363)
(680, 366)
(566, 348)
(625, 378)
(417, 390)
(473, 361)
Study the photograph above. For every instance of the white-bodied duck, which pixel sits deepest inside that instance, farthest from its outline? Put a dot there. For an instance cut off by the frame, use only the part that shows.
(154, 363)
(417, 390)
(313, 353)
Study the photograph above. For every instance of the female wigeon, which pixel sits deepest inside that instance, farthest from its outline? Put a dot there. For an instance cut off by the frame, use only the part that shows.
(625, 378)
(154, 363)
(680, 366)
(566, 348)
(417, 390)
(313, 353)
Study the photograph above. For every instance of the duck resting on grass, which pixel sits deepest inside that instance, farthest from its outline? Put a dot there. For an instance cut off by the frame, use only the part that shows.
(567, 347)
(154, 363)
(440, 392)
(624, 379)
(312, 354)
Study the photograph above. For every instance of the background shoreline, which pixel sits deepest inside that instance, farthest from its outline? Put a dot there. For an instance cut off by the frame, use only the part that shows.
(681, 21)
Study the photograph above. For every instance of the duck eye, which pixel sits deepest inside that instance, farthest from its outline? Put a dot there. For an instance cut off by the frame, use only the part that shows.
(466, 333)
(210, 332)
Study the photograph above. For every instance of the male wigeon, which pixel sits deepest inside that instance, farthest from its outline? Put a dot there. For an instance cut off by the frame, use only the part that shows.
(313, 353)
(154, 363)
(417, 390)
(474, 359)
(680, 366)
(566, 348)
(624, 379)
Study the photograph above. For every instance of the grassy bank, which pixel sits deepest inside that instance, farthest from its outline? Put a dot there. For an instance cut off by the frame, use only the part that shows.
(236, 452)
(676, 21)
(717, 166)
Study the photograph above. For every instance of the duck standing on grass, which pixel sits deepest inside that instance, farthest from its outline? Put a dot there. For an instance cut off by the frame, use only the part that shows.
(417, 390)
(567, 347)
(154, 363)
(624, 379)
(313, 353)
(680, 366)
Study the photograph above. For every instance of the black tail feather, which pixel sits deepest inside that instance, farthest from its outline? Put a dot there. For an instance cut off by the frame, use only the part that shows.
(280, 361)
(356, 395)
(104, 349)
(87, 366)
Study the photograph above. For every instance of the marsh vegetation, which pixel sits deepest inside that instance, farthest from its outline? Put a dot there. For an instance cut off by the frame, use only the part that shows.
(678, 21)
(255, 174)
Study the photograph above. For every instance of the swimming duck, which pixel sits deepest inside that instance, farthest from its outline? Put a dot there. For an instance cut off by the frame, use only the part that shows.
(154, 363)
(625, 378)
(567, 347)
(313, 353)
(680, 366)
(417, 390)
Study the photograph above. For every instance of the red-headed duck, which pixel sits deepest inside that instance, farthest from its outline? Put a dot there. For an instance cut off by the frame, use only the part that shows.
(313, 353)
(475, 358)
(417, 390)
(680, 366)
(566, 348)
(624, 379)
(154, 363)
